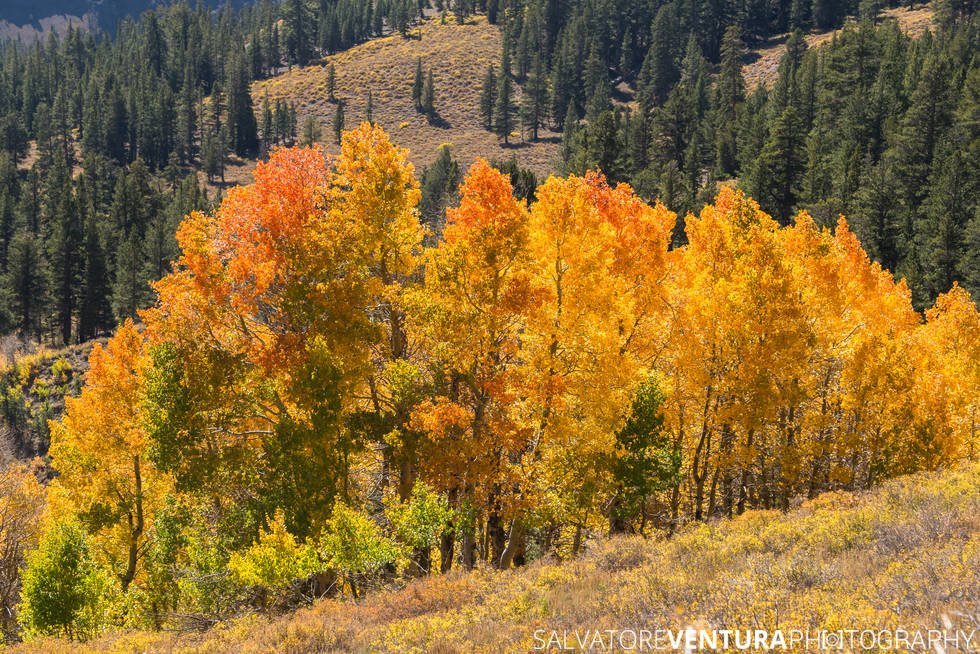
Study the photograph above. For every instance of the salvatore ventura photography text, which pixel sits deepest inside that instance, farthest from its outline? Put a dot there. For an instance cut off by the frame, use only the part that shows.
(940, 641)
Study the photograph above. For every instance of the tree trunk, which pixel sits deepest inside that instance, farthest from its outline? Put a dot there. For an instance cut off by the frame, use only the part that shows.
(447, 549)
(135, 527)
(469, 551)
(497, 539)
(577, 541)
(515, 544)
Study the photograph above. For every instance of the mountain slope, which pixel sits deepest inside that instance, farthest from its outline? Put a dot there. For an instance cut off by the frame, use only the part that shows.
(457, 55)
(763, 67)
(27, 19)
(906, 554)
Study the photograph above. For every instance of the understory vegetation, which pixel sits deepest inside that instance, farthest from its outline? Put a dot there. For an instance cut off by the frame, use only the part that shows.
(905, 555)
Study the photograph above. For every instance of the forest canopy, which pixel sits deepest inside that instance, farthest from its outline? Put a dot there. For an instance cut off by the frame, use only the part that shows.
(321, 393)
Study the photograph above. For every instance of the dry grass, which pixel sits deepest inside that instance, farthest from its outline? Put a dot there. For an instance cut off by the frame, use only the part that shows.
(458, 55)
(906, 554)
(764, 66)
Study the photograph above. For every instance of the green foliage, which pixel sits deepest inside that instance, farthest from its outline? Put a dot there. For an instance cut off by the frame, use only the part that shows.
(273, 561)
(429, 97)
(488, 96)
(421, 520)
(354, 545)
(646, 460)
(64, 591)
(440, 183)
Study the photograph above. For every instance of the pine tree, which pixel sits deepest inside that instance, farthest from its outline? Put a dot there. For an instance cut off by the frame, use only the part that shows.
(130, 289)
(503, 111)
(94, 311)
(729, 96)
(311, 132)
(297, 36)
(488, 96)
(268, 130)
(535, 98)
(338, 122)
(65, 257)
(429, 97)
(779, 167)
(876, 215)
(659, 71)
(799, 15)
(595, 74)
(369, 108)
(186, 118)
(569, 131)
(627, 55)
(25, 283)
(439, 190)
(331, 83)
(241, 116)
(417, 85)
(951, 203)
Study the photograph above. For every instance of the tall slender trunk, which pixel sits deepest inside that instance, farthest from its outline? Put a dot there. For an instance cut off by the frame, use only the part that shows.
(702, 452)
(577, 540)
(469, 550)
(746, 477)
(135, 527)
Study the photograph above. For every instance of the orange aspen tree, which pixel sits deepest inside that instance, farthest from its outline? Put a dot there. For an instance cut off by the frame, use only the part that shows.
(470, 315)
(264, 330)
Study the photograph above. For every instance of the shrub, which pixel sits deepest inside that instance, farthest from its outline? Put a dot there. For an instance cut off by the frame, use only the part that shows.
(273, 561)
(353, 545)
(64, 591)
(420, 521)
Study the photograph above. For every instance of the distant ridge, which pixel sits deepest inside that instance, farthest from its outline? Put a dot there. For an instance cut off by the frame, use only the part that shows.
(28, 19)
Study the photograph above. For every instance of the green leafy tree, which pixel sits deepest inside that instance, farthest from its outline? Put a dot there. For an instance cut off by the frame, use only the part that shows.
(64, 591)
(645, 461)
(274, 560)
(354, 546)
(419, 522)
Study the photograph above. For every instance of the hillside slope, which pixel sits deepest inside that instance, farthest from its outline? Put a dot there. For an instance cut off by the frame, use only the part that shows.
(763, 67)
(457, 55)
(33, 387)
(905, 555)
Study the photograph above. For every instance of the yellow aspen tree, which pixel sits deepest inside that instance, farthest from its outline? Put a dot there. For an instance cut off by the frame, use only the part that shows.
(100, 451)
(373, 188)
(595, 329)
